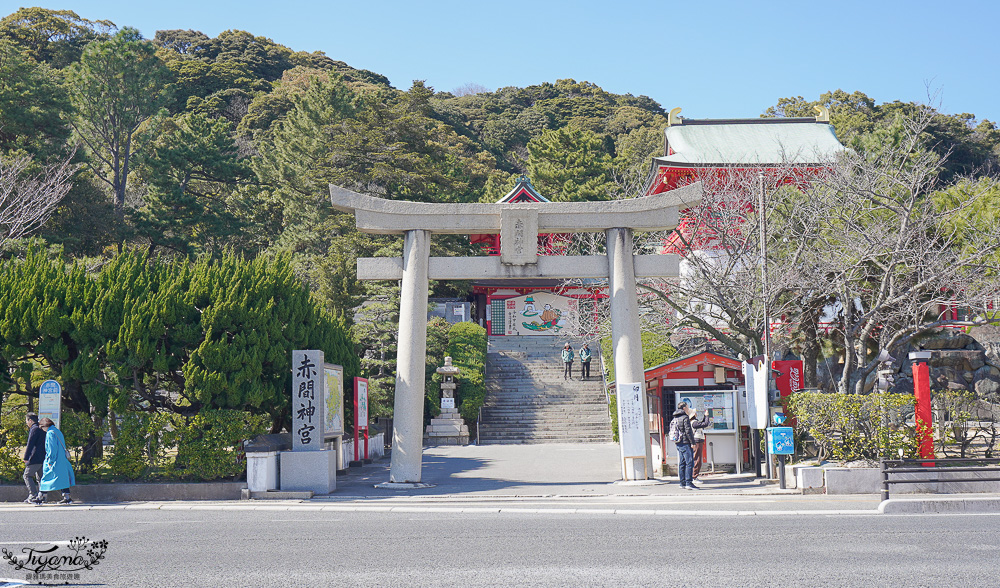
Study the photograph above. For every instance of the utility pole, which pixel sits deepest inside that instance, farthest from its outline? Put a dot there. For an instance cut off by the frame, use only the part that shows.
(764, 302)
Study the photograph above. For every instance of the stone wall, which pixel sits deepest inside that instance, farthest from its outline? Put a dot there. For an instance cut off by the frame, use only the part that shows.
(959, 362)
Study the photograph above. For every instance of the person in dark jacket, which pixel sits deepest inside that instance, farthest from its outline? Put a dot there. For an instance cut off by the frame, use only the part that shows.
(34, 455)
(698, 449)
(685, 459)
(585, 362)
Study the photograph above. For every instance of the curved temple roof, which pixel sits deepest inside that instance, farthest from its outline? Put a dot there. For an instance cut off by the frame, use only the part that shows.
(750, 142)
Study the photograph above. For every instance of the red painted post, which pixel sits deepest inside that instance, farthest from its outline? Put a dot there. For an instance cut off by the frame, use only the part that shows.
(924, 419)
(355, 420)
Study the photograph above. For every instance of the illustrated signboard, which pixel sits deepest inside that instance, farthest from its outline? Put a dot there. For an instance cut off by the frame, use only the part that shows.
(541, 313)
(780, 441)
(718, 403)
(630, 430)
(333, 400)
(50, 401)
(308, 384)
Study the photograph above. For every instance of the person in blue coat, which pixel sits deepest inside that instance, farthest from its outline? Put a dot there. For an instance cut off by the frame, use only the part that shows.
(57, 472)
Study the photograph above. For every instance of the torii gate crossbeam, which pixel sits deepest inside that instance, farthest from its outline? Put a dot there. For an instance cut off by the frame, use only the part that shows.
(518, 226)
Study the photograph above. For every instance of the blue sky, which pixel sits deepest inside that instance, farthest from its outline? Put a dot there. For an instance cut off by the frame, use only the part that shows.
(715, 59)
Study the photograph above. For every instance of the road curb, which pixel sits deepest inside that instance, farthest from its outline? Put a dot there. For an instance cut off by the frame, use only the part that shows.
(299, 507)
(958, 505)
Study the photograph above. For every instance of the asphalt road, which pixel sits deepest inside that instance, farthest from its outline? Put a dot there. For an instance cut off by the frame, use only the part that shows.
(213, 547)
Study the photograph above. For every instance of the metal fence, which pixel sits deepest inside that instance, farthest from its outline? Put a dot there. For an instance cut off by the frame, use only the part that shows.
(926, 471)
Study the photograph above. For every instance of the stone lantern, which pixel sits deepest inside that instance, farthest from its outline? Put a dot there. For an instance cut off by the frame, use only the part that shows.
(449, 428)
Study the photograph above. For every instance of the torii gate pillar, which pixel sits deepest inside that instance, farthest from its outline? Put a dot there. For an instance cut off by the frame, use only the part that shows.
(626, 340)
(411, 349)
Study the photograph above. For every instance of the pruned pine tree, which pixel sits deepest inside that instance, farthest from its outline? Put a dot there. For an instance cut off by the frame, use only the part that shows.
(376, 325)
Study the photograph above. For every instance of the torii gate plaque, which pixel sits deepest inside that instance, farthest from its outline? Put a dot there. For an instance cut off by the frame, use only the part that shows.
(518, 225)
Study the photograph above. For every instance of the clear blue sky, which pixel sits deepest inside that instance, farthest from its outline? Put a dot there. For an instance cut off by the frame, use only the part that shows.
(715, 59)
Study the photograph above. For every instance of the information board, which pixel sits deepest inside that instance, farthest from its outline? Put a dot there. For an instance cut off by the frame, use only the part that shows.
(361, 403)
(630, 429)
(333, 400)
(50, 401)
(718, 403)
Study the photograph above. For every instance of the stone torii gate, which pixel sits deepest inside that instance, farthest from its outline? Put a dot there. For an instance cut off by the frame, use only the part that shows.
(518, 226)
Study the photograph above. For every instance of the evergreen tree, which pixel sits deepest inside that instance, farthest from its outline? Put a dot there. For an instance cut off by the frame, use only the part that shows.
(116, 87)
(569, 165)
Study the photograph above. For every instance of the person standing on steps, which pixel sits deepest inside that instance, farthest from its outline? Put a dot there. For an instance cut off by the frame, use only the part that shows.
(682, 435)
(57, 472)
(567, 357)
(698, 449)
(34, 455)
(585, 362)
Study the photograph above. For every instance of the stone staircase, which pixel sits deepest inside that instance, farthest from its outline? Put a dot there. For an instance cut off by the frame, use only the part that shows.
(527, 400)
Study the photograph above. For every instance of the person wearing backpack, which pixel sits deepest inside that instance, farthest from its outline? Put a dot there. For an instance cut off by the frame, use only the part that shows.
(698, 449)
(682, 435)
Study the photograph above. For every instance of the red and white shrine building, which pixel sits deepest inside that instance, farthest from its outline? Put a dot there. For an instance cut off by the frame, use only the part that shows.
(789, 150)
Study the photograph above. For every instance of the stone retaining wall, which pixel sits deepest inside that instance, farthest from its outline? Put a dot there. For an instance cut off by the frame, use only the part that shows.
(93, 493)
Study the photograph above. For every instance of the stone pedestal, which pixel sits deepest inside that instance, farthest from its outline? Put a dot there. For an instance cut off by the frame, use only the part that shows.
(313, 471)
(447, 429)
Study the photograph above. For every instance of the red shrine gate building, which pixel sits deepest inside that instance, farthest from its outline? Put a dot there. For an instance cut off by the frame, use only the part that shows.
(715, 151)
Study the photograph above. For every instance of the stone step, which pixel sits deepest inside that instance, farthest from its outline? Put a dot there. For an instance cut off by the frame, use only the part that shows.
(532, 440)
(529, 401)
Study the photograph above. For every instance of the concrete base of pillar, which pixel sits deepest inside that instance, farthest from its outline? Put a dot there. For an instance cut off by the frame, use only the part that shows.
(308, 471)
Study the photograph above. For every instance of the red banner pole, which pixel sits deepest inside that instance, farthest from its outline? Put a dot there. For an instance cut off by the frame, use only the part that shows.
(366, 443)
(924, 419)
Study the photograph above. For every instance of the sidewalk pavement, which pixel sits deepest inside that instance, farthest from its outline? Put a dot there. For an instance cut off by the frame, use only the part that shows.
(549, 469)
(567, 478)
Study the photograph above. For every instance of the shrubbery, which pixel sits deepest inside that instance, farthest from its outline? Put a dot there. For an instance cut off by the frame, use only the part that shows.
(159, 446)
(467, 348)
(852, 427)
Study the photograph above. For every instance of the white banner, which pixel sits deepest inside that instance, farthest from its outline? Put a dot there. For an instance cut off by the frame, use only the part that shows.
(630, 427)
(756, 382)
